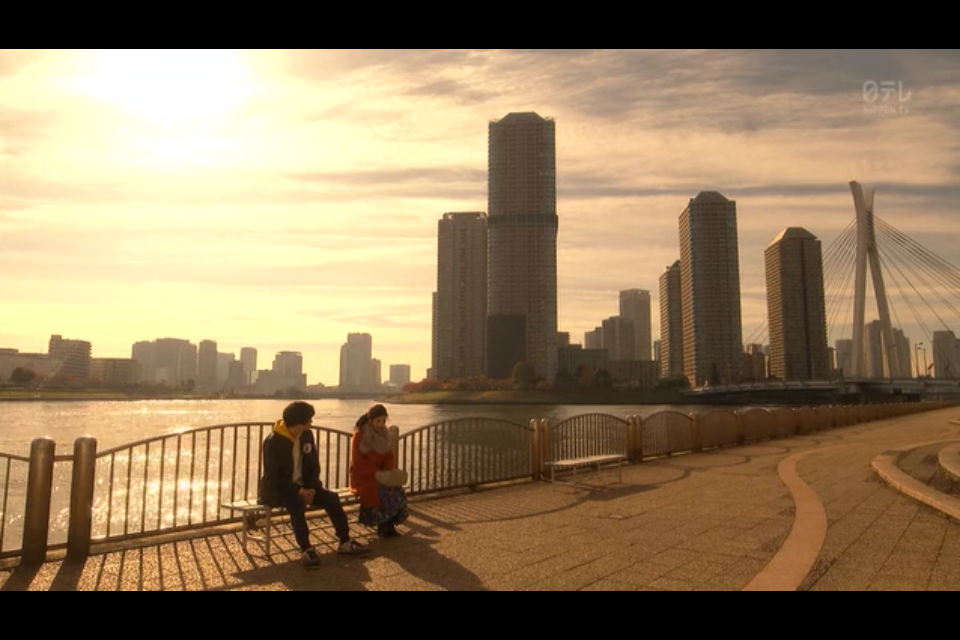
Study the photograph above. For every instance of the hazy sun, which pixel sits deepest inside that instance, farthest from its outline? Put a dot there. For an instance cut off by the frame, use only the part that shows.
(169, 85)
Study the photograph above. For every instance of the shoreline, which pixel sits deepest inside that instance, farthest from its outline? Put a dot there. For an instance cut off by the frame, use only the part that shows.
(533, 397)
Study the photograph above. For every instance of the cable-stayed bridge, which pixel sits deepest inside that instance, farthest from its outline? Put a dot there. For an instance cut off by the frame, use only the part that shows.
(873, 267)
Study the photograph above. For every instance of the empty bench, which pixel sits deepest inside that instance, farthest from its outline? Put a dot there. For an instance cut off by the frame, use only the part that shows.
(596, 462)
(260, 517)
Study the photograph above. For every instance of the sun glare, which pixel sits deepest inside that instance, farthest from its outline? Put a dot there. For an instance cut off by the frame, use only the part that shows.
(169, 86)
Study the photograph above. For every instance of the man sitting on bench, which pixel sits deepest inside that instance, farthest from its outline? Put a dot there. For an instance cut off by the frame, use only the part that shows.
(291, 479)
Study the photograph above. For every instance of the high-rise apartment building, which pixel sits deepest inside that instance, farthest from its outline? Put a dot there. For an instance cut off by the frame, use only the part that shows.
(460, 305)
(522, 245)
(635, 307)
(671, 322)
(796, 310)
(356, 363)
(710, 284)
(207, 366)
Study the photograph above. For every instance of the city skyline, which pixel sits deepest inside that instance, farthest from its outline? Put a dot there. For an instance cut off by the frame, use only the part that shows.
(284, 199)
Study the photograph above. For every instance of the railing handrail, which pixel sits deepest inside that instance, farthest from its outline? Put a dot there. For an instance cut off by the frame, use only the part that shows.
(675, 412)
(412, 432)
(589, 415)
(196, 430)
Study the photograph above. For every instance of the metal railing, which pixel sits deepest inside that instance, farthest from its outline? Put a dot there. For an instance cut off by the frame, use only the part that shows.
(592, 434)
(667, 432)
(466, 452)
(13, 500)
(178, 481)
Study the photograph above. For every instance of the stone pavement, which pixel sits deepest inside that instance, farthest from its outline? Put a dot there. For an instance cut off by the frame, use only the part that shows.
(805, 513)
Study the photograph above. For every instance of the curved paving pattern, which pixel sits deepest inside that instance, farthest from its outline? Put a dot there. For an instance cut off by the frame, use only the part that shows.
(796, 557)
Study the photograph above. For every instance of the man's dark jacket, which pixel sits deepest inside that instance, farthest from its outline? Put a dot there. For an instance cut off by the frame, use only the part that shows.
(277, 483)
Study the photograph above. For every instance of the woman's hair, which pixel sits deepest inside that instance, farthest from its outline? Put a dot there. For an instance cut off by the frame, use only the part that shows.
(377, 411)
(361, 421)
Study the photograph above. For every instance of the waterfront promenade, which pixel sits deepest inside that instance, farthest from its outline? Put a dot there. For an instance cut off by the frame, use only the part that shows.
(807, 512)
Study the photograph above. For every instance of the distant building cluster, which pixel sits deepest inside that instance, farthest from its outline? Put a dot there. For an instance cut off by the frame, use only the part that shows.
(494, 310)
(180, 364)
(495, 302)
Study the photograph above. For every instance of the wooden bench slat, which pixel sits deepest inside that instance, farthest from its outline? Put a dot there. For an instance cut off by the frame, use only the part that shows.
(586, 461)
(253, 508)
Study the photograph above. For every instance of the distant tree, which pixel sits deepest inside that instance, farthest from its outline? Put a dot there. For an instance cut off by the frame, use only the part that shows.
(585, 376)
(674, 382)
(603, 380)
(524, 376)
(21, 376)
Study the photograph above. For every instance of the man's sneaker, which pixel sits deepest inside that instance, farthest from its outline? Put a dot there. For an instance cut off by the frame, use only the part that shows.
(352, 548)
(310, 559)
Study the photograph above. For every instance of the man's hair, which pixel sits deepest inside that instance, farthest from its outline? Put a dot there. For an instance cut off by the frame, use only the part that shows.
(298, 413)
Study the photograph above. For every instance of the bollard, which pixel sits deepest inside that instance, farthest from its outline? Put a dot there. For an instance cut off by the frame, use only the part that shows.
(36, 520)
(81, 497)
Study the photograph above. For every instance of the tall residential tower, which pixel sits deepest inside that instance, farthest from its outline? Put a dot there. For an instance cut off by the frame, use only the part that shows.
(796, 311)
(461, 299)
(710, 283)
(522, 245)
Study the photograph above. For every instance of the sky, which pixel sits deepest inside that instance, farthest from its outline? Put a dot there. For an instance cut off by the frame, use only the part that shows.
(283, 199)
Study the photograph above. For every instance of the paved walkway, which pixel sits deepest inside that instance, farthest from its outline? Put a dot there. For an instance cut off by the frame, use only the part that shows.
(808, 513)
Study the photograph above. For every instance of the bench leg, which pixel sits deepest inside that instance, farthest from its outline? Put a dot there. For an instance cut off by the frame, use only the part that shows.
(268, 531)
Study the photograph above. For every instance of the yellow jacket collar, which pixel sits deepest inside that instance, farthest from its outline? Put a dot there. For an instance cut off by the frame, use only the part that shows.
(281, 429)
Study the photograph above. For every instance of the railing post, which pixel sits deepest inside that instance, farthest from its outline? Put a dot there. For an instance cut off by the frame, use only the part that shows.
(36, 520)
(544, 443)
(697, 432)
(536, 451)
(81, 497)
(395, 442)
(638, 436)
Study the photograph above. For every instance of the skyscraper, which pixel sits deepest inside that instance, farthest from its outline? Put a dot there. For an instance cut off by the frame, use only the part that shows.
(619, 338)
(710, 284)
(174, 361)
(461, 299)
(356, 363)
(399, 374)
(946, 356)
(844, 356)
(671, 322)
(207, 365)
(635, 306)
(796, 311)
(248, 358)
(522, 245)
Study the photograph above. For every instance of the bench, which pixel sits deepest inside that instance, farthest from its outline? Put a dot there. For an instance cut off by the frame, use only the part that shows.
(256, 516)
(618, 459)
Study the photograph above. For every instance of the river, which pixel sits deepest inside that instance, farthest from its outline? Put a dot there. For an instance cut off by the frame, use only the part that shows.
(115, 423)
